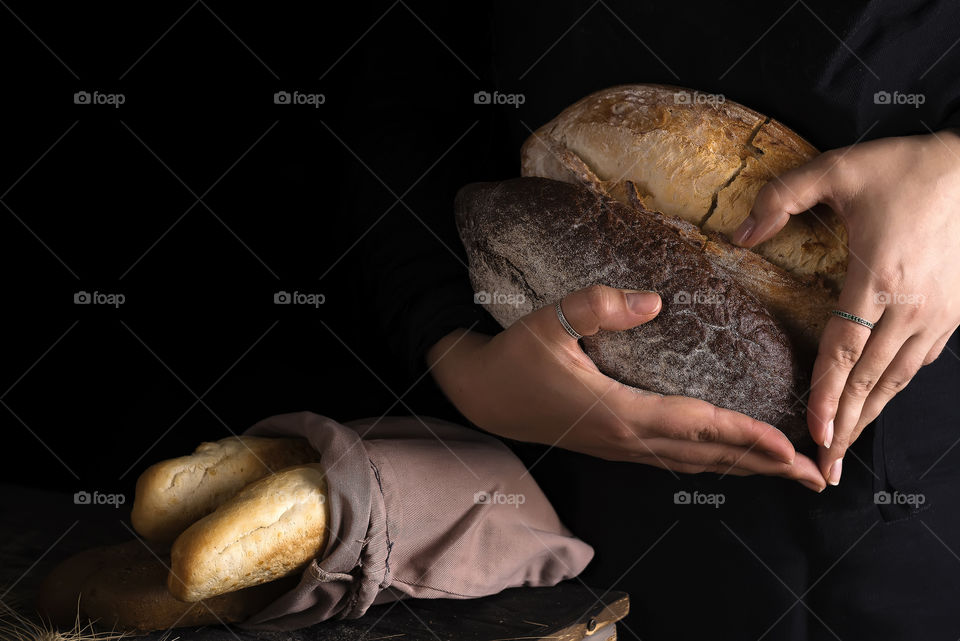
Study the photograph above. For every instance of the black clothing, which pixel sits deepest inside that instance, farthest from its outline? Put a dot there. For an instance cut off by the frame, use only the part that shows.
(726, 572)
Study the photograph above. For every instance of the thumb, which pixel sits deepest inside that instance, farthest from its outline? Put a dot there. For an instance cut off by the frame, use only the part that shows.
(599, 307)
(794, 192)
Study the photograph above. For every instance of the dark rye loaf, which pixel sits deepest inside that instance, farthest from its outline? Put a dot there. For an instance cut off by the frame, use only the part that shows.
(531, 241)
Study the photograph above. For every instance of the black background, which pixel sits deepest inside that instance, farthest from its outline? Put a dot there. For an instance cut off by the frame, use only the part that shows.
(199, 197)
(96, 200)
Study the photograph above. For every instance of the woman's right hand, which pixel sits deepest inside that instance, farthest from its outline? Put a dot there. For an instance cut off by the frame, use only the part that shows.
(533, 382)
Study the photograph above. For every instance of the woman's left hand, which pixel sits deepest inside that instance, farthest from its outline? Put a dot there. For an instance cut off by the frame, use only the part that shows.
(900, 201)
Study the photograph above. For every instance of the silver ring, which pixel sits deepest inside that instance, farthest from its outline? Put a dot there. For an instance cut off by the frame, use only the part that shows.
(563, 321)
(851, 317)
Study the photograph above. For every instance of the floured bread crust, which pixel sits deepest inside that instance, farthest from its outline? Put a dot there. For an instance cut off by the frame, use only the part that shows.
(713, 340)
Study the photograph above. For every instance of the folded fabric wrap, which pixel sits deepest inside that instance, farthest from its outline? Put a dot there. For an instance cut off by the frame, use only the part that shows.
(423, 508)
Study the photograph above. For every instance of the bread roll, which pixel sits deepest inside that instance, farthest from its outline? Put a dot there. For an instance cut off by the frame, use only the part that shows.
(272, 528)
(173, 494)
(694, 156)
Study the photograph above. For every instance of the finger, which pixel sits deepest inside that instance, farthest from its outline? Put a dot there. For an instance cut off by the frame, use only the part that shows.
(599, 307)
(937, 348)
(901, 371)
(887, 340)
(729, 459)
(792, 193)
(841, 345)
(688, 419)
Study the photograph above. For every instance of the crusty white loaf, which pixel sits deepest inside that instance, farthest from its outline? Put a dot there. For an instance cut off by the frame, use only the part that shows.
(174, 493)
(272, 528)
(695, 156)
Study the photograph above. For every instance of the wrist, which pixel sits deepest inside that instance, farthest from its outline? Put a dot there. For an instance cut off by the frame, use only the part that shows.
(453, 357)
(457, 343)
(456, 366)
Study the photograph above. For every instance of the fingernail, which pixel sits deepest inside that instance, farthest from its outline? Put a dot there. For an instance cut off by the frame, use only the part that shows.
(743, 231)
(810, 485)
(833, 478)
(828, 437)
(643, 302)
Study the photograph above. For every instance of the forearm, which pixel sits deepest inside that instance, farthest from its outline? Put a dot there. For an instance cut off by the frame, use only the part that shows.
(451, 360)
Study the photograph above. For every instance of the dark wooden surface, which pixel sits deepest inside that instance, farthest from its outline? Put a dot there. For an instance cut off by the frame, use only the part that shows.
(38, 529)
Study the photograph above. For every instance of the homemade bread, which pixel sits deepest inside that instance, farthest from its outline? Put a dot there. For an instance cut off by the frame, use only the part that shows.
(540, 239)
(174, 493)
(659, 177)
(696, 156)
(271, 528)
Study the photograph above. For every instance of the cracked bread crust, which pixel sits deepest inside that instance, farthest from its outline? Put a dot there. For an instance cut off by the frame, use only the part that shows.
(172, 494)
(712, 340)
(269, 530)
(694, 157)
(813, 244)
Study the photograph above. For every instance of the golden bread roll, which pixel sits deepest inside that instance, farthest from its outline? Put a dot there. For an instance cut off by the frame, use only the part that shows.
(173, 494)
(272, 528)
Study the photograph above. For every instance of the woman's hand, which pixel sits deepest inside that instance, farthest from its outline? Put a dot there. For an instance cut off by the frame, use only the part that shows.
(533, 382)
(900, 200)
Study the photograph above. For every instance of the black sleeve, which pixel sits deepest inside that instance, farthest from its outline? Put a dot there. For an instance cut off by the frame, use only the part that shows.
(420, 137)
(952, 121)
(417, 134)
